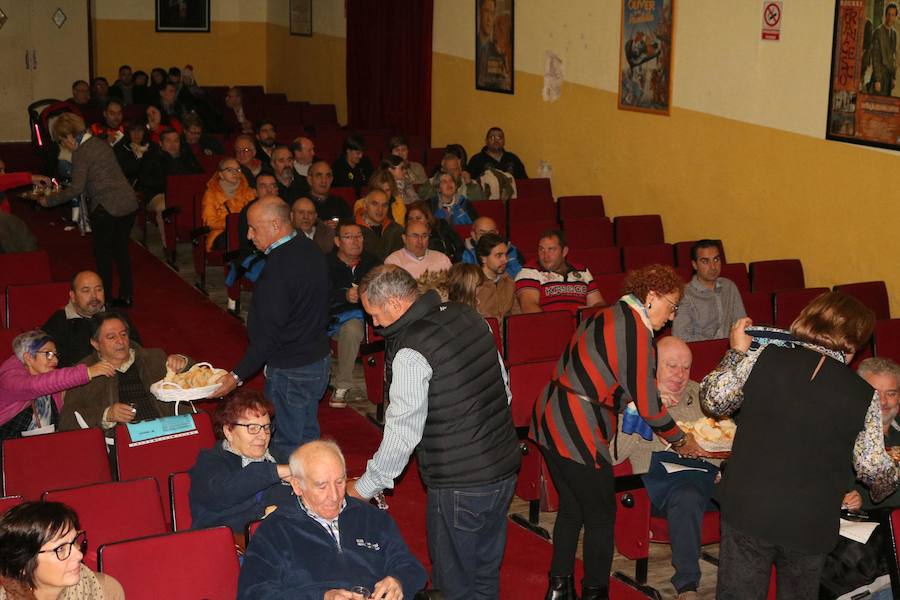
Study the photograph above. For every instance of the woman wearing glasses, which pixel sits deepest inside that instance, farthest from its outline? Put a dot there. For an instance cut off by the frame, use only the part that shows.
(226, 193)
(235, 481)
(608, 370)
(32, 388)
(41, 549)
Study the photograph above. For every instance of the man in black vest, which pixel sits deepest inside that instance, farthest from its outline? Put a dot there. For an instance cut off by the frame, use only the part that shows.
(460, 426)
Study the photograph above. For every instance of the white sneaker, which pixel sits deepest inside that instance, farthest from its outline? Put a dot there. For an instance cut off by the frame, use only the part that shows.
(338, 398)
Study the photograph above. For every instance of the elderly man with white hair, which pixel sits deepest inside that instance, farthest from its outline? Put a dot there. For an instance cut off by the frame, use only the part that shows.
(326, 545)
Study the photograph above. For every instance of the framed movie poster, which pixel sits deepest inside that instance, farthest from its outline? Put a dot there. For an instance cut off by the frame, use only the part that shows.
(494, 45)
(864, 98)
(301, 17)
(645, 58)
(185, 16)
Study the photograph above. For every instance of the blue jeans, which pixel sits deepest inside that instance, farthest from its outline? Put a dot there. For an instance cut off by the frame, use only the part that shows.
(684, 508)
(296, 393)
(466, 538)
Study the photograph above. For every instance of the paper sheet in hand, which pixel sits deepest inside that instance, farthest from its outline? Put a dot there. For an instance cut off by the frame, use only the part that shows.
(858, 531)
(166, 427)
(40, 430)
(673, 468)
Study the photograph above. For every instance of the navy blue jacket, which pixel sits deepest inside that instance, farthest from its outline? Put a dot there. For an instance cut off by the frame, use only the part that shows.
(293, 556)
(289, 311)
(223, 493)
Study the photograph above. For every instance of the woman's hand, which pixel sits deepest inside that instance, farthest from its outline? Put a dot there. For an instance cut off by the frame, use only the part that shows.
(101, 368)
(176, 362)
(738, 338)
(852, 501)
(691, 449)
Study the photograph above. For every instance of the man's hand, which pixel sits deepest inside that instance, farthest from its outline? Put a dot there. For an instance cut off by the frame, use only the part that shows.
(101, 369)
(353, 295)
(389, 589)
(176, 362)
(739, 340)
(351, 490)
(342, 595)
(120, 413)
(691, 449)
(284, 472)
(227, 386)
(852, 501)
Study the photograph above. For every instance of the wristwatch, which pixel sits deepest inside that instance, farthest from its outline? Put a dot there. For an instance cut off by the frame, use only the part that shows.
(237, 380)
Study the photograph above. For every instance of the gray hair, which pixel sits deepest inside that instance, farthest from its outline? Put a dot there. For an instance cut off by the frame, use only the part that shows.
(29, 342)
(297, 462)
(879, 366)
(387, 282)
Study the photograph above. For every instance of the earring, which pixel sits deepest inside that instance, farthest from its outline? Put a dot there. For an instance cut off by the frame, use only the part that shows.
(649, 305)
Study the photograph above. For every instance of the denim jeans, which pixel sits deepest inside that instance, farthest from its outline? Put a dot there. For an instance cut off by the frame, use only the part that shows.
(296, 393)
(684, 509)
(466, 538)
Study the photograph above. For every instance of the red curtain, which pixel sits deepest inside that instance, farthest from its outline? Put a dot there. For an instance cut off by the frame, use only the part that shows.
(389, 65)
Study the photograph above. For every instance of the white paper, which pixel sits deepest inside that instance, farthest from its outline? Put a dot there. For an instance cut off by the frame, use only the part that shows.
(40, 430)
(858, 531)
(675, 468)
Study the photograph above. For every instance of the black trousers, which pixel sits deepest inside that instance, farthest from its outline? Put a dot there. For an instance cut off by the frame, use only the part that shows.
(111, 236)
(745, 566)
(586, 499)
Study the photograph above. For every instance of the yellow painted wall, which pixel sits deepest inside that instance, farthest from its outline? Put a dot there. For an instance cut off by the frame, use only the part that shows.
(248, 44)
(742, 156)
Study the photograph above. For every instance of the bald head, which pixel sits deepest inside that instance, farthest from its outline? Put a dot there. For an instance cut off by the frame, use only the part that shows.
(303, 215)
(673, 370)
(483, 225)
(269, 220)
(319, 477)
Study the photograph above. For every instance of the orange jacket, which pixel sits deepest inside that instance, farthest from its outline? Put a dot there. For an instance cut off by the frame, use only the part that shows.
(216, 206)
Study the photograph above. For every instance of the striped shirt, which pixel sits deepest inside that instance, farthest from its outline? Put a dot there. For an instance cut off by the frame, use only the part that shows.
(609, 363)
(566, 291)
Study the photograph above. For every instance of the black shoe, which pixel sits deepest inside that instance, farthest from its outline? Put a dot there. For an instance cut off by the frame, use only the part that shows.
(236, 314)
(562, 587)
(594, 592)
(123, 302)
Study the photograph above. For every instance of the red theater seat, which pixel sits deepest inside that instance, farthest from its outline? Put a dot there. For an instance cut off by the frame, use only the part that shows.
(635, 257)
(29, 306)
(759, 307)
(771, 275)
(495, 209)
(871, 293)
(346, 193)
(789, 303)
(534, 188)
(638, 230)
(599, 260)
(737, 273)
(580, 207)
(180, 501)
(589, 233)
(610, 286)
(526, 234)
(7, 502)
(530, 208)
(536, 337)
(707, 356)
(887, 339)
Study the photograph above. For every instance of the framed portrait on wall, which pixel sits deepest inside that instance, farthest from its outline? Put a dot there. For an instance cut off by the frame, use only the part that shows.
(494, 45)
(185, 16)
(864, 97)
(645, 56)
(301, 17)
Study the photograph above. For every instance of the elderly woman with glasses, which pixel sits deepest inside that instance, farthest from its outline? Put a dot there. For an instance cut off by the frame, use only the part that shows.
(32, 388)
(226, 193)
(41, 548)
(237, 480)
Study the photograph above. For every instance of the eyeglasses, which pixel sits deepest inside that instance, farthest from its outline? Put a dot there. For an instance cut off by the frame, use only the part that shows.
(231, 170)
(63, 551)
(674, 305)
(255, 428)
(351, 237)
(495, 136)
(48, 354)
(245, 150)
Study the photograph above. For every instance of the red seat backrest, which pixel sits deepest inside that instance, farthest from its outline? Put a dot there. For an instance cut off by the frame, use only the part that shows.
(530, 208)
(154, 567)
(586, 312)
(493, 209)
(494, 324)
(158, 459)
(707, 356)
(789, 303)
(29, 306)
(33, 465)
(599, 260)
(610, 286)
(7, 502)
(771, 275)
(635, 257)
(759, 307)
(347, 194)
(24, 267)
(535, 337)
(580, 207)
(210, 163)
(181, 192)
(636, 230)
(588, 233)
(526, 382)
(871, 293)
(433, 159)
(320, 114)
(538, 187)
(526, 234)
(115, 511)
(180, 501)
(737, 273)
(887, 339)
(463, 231)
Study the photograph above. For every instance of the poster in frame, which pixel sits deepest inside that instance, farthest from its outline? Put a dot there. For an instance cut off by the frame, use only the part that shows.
(495, 45)
(645, 56)
(863, 95)
(301, 17)
(182, 16)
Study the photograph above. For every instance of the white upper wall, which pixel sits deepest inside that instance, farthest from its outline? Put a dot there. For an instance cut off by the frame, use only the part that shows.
(722, 66)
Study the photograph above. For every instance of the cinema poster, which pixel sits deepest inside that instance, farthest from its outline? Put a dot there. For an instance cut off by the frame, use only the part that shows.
(645, 58)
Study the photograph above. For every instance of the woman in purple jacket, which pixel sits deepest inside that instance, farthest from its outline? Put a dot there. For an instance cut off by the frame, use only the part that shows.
(32, 388)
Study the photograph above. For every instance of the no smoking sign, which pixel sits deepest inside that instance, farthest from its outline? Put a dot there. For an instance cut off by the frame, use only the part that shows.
(771, 20)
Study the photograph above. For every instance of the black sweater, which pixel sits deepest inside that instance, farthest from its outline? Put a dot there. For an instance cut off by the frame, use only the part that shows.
(343, 278)
(289, 312)
(73, 336)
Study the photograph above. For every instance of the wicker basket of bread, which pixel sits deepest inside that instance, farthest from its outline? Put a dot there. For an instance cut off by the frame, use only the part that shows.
(711, 435)
(196, 383)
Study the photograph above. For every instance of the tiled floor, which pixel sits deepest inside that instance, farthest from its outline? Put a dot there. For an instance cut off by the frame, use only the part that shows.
(660, 569)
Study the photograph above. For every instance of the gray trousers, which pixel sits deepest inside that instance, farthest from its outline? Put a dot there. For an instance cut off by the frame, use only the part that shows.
(348, 338)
